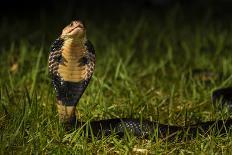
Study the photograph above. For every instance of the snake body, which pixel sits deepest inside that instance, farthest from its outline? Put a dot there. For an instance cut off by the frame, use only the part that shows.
(71, 65)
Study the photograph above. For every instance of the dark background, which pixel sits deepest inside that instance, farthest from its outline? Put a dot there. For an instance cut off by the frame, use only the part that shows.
(30, 9)
(37, 21)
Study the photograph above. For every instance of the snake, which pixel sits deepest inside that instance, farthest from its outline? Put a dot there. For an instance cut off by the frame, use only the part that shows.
(71, 64)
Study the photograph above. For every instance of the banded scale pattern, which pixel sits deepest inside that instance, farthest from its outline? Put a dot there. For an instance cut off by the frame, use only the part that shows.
(71, 72)
(71, 65)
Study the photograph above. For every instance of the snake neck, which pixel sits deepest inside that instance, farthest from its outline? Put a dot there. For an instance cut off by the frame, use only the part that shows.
(66, 113)
(72, 50)
(74, 71)
(71, 43)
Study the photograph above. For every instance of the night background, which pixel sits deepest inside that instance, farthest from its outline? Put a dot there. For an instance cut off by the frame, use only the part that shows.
(156, 59)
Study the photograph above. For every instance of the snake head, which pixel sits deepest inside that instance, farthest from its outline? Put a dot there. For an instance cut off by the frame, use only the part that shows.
(75, 30)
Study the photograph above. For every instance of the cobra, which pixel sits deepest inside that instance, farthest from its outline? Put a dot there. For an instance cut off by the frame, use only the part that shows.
(71, 65)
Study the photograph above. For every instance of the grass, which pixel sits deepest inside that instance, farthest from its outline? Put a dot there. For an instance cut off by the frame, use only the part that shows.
(144, 70)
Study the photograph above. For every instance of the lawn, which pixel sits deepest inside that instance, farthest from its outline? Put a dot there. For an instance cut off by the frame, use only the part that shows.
(145, 69)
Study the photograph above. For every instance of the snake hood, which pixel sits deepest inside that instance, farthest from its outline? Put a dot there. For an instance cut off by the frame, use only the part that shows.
(71, 65)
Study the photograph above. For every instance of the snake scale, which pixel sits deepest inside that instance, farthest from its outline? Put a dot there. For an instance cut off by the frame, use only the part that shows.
(71, 65)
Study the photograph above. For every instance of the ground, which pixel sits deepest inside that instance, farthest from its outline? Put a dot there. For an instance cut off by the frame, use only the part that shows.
(145, 69)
